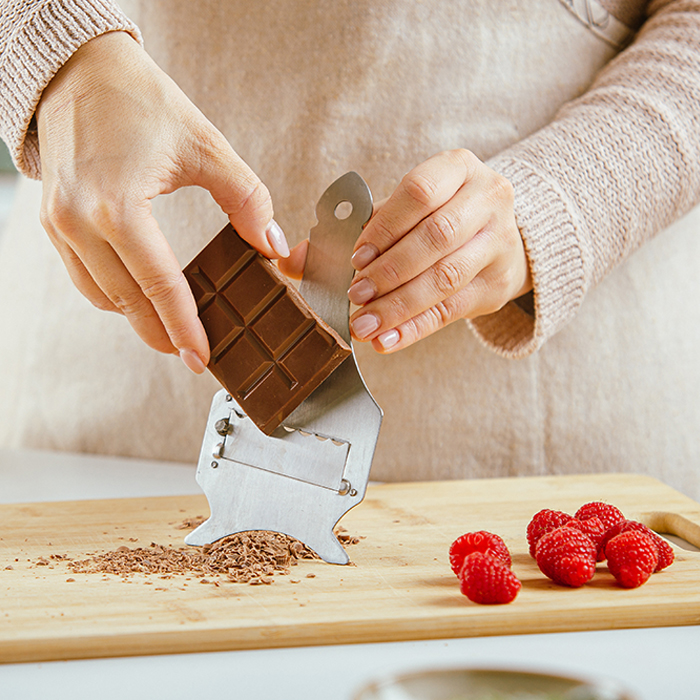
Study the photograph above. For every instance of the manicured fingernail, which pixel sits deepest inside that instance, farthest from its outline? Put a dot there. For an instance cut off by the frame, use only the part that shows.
(389, 338)
(361, 292)
(364, 255)
(192, 360)
(277, 239)
(363, 325)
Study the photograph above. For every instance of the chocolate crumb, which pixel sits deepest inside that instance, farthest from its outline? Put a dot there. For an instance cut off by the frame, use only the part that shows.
(191, 523)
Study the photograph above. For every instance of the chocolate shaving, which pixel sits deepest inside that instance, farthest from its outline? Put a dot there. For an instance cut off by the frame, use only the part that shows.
(246, 557)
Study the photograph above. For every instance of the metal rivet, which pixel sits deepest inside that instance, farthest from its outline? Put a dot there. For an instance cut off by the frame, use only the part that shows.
(214, 465)
(223, 427)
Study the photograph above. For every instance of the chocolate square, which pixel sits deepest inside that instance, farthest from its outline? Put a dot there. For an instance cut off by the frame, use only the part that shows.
(268, 348)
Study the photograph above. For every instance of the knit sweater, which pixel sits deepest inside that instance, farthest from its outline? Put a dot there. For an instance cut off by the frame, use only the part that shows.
(606, 158)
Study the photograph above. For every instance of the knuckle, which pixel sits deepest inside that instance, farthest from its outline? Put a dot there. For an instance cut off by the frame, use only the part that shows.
(502, 283)
(253, 196)
(392, 274)
(496, 288)
(71, 216)
(468, 160)
(161, 290)
(448, 276)
(413, 330)
(383, 235)
(441, 231)
(420, 188)
(56, 215)
(398, 310)
(443, 313)
(130, 304)
(463, 155)
(106, 216)
(501, 189)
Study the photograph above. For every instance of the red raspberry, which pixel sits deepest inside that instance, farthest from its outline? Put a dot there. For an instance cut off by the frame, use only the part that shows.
(487, 580)
(664, 549)
(482, 541)
(567, 556)
(632, 558)
(593, 527)
(608, 514)
(544, 521)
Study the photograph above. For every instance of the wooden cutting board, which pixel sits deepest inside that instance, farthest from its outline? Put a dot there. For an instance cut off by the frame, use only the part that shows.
(399, 586)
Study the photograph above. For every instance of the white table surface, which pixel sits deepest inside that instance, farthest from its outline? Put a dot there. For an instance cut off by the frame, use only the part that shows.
(656, 664)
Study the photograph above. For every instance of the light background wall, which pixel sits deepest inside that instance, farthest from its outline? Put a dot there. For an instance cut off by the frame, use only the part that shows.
(5, 160)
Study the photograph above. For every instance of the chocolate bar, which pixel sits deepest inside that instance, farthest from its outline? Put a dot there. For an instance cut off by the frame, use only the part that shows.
(268, 348)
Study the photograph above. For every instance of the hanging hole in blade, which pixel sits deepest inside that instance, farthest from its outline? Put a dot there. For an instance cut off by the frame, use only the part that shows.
(343, 210)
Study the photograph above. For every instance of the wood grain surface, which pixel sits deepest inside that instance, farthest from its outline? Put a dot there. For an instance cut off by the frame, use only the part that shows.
(398, 587)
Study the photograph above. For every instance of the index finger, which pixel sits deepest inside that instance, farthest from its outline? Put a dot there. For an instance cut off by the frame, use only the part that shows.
(147, 256)
(424, 189)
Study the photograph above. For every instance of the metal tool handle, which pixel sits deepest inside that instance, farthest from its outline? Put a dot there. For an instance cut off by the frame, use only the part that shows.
(328, 271)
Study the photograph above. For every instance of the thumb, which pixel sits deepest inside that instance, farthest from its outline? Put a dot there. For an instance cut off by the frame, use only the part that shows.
(244, 198)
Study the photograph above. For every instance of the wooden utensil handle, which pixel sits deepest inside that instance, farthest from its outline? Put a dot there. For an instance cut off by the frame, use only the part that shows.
(673, 524)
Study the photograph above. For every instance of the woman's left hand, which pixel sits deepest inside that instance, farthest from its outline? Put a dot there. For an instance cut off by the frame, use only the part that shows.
(443, 246)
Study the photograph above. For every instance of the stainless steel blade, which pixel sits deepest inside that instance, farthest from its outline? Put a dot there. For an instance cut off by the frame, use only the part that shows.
(304, 477)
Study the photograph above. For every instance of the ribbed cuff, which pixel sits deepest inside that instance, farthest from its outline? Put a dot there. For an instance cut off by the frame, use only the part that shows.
(46, 39)
(547, 225)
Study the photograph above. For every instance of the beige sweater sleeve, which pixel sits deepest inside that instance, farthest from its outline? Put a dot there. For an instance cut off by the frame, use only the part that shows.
(615, 167)
(36, 38)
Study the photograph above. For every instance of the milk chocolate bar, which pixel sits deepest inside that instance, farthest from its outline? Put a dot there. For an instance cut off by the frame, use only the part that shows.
(268, 348)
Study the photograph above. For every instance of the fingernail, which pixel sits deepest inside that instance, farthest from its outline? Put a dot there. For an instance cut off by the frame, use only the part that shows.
(277, 239)
(361, 292)
(192, 360)
(364, 255)
(363, 325)
(389, 338)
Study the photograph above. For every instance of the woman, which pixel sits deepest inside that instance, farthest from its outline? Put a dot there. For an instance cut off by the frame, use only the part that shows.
(577, 355)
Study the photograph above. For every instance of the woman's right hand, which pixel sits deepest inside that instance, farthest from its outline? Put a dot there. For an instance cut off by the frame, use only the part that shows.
(114, 132)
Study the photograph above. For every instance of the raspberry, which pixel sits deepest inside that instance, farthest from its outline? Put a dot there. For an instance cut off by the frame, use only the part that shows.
(567, 556)
(488, 580)
(663, 548)
(544, 521)
(593, 527)
(608, 514)
(482, 541)
(632, 557)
